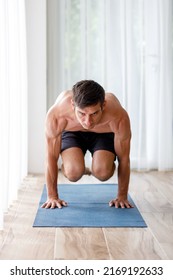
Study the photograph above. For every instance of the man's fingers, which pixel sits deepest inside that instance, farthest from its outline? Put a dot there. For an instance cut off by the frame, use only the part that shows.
(122, 204)
(48, 205)
(117, 204)
(60, 204)
(111, 203)
(53, 204)
(64, 203)
(43, 205)
(129, 205)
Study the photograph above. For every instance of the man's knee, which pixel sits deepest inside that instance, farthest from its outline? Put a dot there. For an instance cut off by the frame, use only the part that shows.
(103, 173)
(73, 173)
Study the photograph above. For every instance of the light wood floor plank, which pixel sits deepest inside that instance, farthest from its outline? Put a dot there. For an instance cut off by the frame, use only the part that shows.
(80, 243)
(146, 191)
(132, 244)
(161, 225)
(151, 201)
(163, 181)
(168, 248)
(35, 245)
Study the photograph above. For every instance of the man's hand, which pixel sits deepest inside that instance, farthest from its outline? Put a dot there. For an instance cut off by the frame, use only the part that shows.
(120, 202)
(54, 203)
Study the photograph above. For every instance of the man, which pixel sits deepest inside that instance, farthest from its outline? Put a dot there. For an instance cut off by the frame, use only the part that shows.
(87, 118)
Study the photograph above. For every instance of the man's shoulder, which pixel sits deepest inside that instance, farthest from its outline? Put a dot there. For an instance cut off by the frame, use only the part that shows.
(111, 96)
(56, 117)
(60, 105)
(119, 118)
(64, 96)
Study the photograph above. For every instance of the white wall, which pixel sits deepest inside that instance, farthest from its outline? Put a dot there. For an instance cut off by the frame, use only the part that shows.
(36, 51)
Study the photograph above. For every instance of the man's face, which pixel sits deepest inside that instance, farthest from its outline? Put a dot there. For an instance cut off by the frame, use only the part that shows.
(89, 116)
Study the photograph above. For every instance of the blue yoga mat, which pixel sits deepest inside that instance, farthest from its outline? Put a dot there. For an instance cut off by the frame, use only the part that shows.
(87, 207)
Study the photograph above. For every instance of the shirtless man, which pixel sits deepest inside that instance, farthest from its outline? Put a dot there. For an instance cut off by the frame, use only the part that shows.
(87, 118)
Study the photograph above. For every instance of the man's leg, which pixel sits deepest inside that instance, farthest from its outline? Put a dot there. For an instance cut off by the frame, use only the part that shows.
(103, 165)
(73, 163)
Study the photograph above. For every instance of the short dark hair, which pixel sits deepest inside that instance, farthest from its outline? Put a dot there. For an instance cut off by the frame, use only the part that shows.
(88, 93)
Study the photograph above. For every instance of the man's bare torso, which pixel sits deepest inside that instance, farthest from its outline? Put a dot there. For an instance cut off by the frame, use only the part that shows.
(61, 116)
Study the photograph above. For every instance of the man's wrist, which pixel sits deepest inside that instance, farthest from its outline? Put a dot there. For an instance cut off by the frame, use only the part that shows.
(53, 196)
(122, 195)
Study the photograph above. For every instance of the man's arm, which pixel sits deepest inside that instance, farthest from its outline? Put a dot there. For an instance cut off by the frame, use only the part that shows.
(122, 149)
(53, 147)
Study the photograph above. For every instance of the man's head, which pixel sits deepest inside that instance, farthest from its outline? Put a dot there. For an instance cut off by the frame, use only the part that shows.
(88, 93)
(88, 102)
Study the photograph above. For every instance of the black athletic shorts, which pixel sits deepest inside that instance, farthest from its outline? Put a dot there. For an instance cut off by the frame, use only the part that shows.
(88, 141)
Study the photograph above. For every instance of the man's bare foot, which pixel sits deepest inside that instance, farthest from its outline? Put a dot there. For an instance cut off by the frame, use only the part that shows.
(87, 171)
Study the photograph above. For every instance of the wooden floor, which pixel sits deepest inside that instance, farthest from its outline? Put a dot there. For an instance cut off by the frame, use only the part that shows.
(153, 194)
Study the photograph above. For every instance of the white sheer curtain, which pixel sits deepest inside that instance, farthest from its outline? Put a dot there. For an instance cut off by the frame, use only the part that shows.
(13, 100)
(126, 46)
